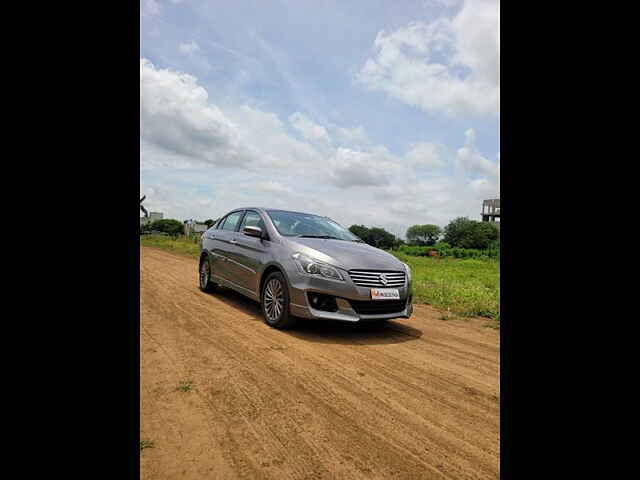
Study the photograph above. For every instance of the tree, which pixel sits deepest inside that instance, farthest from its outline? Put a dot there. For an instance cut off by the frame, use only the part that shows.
(145, 227)
(376, 237)
(209, 222)
(380, 238)
(360, 231)
(465, 233)
(423, 234)
(168, 225)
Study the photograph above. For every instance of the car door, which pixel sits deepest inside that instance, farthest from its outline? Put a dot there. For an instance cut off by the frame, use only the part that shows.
(223, 246)
(251, 252)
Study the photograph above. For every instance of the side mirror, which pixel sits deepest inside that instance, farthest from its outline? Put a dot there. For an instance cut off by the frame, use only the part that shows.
(252, 231)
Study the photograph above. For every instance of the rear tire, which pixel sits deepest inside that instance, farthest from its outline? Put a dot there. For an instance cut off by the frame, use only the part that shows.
(274, 300)
(204, 276)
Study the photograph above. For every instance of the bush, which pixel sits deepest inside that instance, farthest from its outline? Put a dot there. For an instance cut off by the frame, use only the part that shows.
(376, 237)
(445, 250)
(465, 233)
(168, 226)
(413, 250)
(423, 234)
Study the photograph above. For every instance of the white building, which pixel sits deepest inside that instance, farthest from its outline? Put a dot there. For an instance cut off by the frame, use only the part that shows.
(153, 216)
(191, 226)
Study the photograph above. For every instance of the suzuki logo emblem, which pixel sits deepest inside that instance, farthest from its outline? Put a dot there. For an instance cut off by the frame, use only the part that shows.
(383, 279)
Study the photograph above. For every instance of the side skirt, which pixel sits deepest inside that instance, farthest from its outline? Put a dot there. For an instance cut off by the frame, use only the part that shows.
(229, 284)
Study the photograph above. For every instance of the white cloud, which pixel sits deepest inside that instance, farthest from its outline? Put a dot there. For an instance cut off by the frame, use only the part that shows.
(175, 201)
(153, 7)
(442, 196)
(149, 7)
(354, 136)
(449, 66)
(189, 48)
(270, 186)
(179, 125)
(471, 161)
(350, 168)
(199, 160)
(266, 135)
(175, 116)
(309, 130)
(434, 200)
(444, 3)
(425, 154)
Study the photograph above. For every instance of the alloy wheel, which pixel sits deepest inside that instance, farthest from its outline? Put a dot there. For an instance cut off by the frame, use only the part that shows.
(273, 300)
(204, 274)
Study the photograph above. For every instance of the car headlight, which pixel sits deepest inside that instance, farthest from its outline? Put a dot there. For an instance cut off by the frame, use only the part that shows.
(408, 269)
(313, 267)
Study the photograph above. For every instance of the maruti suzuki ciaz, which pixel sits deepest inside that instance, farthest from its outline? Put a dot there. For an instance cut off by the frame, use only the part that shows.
(303, 265)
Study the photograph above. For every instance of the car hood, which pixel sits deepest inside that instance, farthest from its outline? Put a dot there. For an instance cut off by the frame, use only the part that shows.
(347, 255)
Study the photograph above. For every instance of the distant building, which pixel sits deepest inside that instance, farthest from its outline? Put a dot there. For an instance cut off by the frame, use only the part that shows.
(153, 216)
(491, 211)
(191, 226)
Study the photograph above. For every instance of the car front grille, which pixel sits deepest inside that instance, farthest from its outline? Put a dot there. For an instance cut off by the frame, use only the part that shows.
(371, 278)
(377, 307)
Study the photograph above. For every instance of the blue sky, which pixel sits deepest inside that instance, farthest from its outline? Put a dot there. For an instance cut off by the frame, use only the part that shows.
(375, 112)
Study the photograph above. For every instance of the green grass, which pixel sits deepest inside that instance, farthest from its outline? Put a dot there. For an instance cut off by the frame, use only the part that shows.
(182, 244)
(185, 386)
(146, 444)
(466, 287)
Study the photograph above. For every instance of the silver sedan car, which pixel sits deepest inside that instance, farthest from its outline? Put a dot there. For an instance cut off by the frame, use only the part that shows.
(303, 265)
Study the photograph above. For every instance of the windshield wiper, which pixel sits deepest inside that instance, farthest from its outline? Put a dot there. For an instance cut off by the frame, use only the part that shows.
(319, 236)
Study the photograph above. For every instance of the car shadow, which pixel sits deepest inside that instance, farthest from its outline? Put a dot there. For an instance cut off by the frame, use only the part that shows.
(239, 301)
(359, 333)
(328, 331)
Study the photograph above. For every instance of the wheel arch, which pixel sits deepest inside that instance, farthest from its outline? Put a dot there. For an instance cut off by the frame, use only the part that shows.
(269, 269)
(203, 254)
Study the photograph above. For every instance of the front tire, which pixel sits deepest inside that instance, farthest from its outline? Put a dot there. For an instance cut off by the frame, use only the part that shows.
(206, 284)
(275, 302)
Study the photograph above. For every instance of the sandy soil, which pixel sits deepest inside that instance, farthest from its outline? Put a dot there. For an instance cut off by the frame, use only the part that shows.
(415, 398)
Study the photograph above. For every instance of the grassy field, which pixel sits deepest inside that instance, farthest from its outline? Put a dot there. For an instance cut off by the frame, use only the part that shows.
(466, 287)
(463, 287)
(180, 245)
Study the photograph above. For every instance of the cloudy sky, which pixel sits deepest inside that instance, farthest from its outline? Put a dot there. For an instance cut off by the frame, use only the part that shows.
(368, 111)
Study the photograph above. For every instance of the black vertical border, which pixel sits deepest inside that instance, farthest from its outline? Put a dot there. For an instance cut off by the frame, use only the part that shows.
(131, 251)
(133, 333)
(506, 341)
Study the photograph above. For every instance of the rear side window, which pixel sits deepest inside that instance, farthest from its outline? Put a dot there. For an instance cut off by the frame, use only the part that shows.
(231, 222)
(252, 219)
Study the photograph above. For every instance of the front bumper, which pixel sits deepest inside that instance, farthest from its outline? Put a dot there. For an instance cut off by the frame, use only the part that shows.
(300, 285)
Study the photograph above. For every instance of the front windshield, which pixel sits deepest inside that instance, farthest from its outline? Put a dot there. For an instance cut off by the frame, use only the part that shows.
(292, 224)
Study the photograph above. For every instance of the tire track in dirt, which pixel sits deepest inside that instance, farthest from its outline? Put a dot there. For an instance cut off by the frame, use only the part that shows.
(417, 398)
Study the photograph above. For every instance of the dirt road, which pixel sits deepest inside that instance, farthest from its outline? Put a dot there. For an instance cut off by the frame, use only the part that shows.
(416, 398)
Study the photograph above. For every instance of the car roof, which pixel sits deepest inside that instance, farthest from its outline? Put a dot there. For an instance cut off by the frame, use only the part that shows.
(265, 209)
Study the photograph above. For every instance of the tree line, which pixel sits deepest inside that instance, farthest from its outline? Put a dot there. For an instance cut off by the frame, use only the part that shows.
(170, 226)
(460, 233)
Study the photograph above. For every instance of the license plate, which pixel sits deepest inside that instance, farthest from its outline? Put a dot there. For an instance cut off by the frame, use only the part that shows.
(385, 294)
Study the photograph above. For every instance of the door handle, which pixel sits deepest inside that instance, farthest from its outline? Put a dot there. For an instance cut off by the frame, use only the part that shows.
(233, 241)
